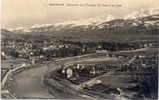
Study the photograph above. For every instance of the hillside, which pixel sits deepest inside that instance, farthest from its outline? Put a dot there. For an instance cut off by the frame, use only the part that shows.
(138, 27)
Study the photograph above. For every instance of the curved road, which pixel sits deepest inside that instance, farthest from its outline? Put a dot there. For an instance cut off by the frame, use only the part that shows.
(28, 84)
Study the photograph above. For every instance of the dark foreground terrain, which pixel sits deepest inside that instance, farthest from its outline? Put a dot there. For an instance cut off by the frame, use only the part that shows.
(112, 77)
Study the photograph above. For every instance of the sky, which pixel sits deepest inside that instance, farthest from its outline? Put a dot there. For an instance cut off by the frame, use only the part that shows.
(16, 13)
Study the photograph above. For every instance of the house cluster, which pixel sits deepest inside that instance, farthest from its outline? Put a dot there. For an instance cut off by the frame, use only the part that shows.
(37, 51)
(40, 49)
(77, 72)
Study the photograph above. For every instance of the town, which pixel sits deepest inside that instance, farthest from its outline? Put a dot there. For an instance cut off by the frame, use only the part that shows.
(88, 64)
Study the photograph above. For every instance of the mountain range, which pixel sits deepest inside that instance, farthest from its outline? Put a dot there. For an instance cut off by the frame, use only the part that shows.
(140, 24)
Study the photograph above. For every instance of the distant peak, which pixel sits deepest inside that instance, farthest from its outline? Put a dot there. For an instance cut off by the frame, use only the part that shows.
(142, 13)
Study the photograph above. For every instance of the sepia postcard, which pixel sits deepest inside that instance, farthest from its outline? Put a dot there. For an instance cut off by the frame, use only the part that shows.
(79, 49)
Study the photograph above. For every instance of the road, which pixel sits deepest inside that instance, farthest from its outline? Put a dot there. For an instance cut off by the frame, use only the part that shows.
(32, 86)
(29, 84)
